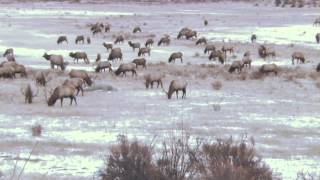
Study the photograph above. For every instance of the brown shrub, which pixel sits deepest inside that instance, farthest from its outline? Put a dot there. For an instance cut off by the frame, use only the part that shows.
(36, 130)
(216, 85)
(228, 160)
(129, 161)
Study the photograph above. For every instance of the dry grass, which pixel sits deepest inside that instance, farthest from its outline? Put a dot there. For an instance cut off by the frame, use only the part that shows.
(36, 130)
(216, 85)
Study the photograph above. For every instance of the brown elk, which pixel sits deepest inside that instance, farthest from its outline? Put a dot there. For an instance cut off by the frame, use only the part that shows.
(140, 62)
(318, 38)
(137, 29)
(209, 48)
(81, 74)
(107, 46)
(62, 39)
(299, 56)
(28, 94)
(76, 83)
(174, 56)
(119, 39)
(61, 92)
(153, 78)
(8, 52)
(41, 79)
(176, 86)
(123, 68)
(269, 68)
(79, 39)
(253, 38)
(202, 40)
(134, 45)
(115, 54)
(164, 40)
(218, 54)
(102, 66)
(236, 66)
(226, 49)
(55, 60)
(149, 43)
(143, 51)
(79, 55)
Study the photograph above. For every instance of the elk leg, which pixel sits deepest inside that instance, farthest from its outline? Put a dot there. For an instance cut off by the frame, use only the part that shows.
(81, 90)
(177, 94)
(75, 100)
(71, 99)
(151, 84)
(61, 100)
(184, 93)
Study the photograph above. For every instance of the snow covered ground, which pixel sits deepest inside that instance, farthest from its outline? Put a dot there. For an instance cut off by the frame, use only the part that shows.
(282, 115)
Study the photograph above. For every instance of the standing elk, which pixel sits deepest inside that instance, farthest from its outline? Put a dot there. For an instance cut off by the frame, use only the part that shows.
(299, 56)
(7, 72)
(149, 43)
(318, 38)
(77, 83)
(176, 86)
(123, 68)
(143, 51)
(140, 62)
(102, 66)
(247, 61)
(253, 38)
(115, 54)
(81, 74)
(107, 46)
(62, 39)
(134, 46)
(205, 22)
(41, 79)
(153, 78)
(218, 54)
(8, 52)
(28, 94)
(174, 56)
(236, 66)
(182, 33)
(226, 49)
(88, 40)
(98, 58)
(55, 60)
(79, 55)
(17, 68)
(107, 28)
(61, 92)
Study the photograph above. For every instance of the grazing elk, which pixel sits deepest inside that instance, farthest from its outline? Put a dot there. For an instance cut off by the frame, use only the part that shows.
(81, 74)
(96, 31)
(79, 55)
(149, 43)
(124, 68)
(115, 54)
(218, 54)
(318, 38)
(174, 56)
(202, 40)
(62, 92)
(226, 49)
(102, 66)
(55, 60)
(79, 39)
(134, 45)
(209, 48)
(299, 56)
(137, 29)
(28, 94)
(62, 39)
(269, 68)
(236, 66)
(143, 51)
(182, 33)
(253, 38)
(140, 62)
(176, 86)
(119, 39)
(77, 83)
(264, 52)
(107, 46)
(8, 52)
(164, 40)
(7, 72)
(153, 78)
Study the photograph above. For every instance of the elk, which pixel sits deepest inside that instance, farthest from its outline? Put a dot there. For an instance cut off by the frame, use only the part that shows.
(209, 48)
(77, 83)
(61, 92)
(218, 54)
(269, 68)
(153, 78)
(115, 54)
(79, 55)
(318, 38)
(226, 49)
(55, 60)
(88, 40)
(98, 58)
(143, 51)
(123, 68)
(134, 45)
(299, 56)
(62, 39)
(176, 86)
(149, 43)
(253, 38)
(174, 56)
(140, 62)
(202, 40)
(164, 40)
(41, 79)
(8, 52)
(107, 46)
(17, 68)
(102, 66)
(182, 33)
(236, 66)
(81, 74)
(137, 29)
(119, 39)
(79, 39)
(28, 94)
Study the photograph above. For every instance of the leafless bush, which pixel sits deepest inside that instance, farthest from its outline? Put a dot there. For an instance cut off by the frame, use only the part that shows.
(216, 85)
(36, 130)
(228, 160)
(178, 159)
(129, 161)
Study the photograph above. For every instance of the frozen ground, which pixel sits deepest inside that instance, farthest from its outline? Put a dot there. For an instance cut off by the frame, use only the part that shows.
(281, 114)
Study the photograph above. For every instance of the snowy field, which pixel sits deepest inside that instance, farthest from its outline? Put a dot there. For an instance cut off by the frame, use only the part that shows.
(282, 115)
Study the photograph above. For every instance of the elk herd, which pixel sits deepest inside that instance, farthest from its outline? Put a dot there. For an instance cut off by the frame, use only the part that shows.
(71, 87)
